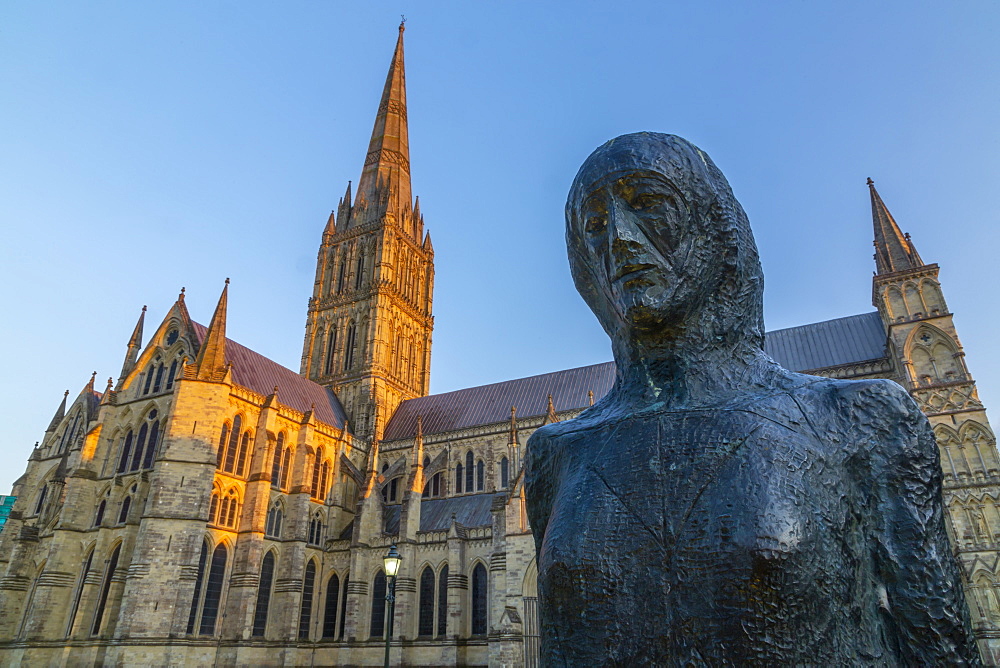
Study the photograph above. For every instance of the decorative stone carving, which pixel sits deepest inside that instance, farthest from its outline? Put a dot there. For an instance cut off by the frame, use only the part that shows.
(715, 508)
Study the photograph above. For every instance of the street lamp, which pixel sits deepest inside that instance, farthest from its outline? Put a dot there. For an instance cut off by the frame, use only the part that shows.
(391, 561)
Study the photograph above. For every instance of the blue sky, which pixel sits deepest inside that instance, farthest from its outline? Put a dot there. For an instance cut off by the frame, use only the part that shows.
(149, 146)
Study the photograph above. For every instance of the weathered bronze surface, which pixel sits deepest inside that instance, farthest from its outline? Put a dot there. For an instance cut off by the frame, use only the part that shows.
(715, 508)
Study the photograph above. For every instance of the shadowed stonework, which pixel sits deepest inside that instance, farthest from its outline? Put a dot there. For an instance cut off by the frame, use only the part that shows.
(715, 508)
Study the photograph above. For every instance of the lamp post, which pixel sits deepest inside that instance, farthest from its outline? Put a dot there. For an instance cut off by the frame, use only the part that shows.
(391, 561)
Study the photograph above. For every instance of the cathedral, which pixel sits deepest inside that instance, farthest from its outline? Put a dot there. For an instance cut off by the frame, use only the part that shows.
(284, 490)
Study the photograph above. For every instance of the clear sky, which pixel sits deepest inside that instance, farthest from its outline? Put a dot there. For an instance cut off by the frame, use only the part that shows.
(148, 146)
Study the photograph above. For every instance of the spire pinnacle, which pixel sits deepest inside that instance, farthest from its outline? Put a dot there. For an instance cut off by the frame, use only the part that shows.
(550, 413)
(893, 250)
(388, 160)
(60, 413)
(134, 345)
(513, 427)
(417, 466)
(211, 360)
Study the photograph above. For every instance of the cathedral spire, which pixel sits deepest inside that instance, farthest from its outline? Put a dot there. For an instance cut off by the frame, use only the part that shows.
(893, 250)
(211, 358)
(387, 164)
(134, 345)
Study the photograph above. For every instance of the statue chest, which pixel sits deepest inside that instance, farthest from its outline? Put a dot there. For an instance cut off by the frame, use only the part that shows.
(712, 516)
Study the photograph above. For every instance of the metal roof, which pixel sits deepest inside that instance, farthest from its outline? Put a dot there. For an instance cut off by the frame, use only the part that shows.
(261, 375)
(435, 514)
(855, 338)
(488, 404)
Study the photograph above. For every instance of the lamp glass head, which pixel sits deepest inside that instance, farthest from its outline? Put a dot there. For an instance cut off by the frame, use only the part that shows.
(391, 562)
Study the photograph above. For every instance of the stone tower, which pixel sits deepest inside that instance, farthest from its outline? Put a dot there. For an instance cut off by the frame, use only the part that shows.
(368, 330)
(924, 344)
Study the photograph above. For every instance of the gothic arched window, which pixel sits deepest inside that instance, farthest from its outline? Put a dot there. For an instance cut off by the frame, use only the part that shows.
(458, 479)
(343, 607)
(442, 603)
(377, 624)
(40, 504)
(123, 513)
(470, 471)
(228, 510)
(99, 518)
(275, 516)
(279, 447)
(331, 348)
(105, 589)
(199, 580)
(241, 460)
(213, 591)
(305, 612)
(479, 605)
(140, 444)
(263, 596)
(317, 465)
(172, 374)
(286, 466)
(330, 607)
(154, 437)
(342, 273)
(159, 378)
(324, 480)
(316, 530)
(480, 475)
(349, 350)
(229, 462)
(223, 439)
(79, 590)
(504, 473)
(425, 626)
(359, 271)
(126, 451)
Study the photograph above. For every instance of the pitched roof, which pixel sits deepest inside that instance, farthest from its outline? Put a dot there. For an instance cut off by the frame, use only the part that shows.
(855, 338)
(818, 345)
(435, 514)
(487, 404)
(260, 374)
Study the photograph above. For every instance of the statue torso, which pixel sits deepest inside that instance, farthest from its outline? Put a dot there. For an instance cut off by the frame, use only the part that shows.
(713, 536)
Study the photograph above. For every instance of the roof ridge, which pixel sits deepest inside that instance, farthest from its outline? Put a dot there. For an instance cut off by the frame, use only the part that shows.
(512, 380)
(821, 322)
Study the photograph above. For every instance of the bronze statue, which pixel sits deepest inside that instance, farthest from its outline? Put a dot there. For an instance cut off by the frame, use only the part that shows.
(715, 508)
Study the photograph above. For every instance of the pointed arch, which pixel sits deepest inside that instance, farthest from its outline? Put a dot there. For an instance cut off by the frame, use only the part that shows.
(470, 471)
(124, 510)
(88, 560)
(316, 528)
(277, 460)
(377, 622)
(199, 581)
(442, 602)
(213, 590)
(480, 600)
(242, 456)
(275, 517)
(305, 611)
(102, 601)
(267, 568)
(233, 444)
(425, 623)
(330, 606)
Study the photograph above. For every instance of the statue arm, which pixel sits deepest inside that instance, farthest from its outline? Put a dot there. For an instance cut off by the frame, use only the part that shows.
(923, 589)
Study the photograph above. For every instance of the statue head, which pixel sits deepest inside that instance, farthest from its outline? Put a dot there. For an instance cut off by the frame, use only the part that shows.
(659, 247)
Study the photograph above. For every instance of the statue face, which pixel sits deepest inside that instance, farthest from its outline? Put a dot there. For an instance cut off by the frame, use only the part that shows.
(634, 231)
